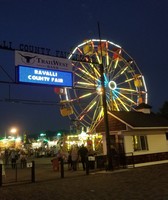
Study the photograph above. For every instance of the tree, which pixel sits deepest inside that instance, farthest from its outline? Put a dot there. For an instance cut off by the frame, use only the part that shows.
(163, 111)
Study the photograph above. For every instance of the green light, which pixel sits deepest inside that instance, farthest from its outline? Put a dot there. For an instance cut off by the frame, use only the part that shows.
(59, 134)
(42, 134)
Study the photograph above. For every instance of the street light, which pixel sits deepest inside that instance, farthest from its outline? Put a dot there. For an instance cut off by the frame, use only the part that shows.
(13, 130)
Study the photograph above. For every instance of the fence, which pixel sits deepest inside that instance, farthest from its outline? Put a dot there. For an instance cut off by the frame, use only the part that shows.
(41, 169)
(17, 173)
(36, 171)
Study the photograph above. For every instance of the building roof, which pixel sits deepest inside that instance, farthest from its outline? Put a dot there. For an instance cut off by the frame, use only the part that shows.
(143, 105)
(135, 119)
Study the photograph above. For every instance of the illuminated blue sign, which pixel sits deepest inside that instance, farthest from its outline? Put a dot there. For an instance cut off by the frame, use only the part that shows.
(44, 76)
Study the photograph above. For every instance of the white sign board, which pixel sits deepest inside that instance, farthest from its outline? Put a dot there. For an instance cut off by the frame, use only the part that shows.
(29, 165)
(43, 61)
(91, 158)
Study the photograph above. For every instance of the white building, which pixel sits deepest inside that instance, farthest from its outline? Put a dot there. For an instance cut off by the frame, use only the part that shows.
(140, 135)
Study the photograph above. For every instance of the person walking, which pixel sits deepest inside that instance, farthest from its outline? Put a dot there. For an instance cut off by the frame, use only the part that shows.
(69, 160)
(23, 160)
(74, 157)
(13, 159)
(83, 153)
(2, 163)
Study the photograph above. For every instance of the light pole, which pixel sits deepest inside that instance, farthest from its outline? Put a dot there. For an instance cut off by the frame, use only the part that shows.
(109, 156)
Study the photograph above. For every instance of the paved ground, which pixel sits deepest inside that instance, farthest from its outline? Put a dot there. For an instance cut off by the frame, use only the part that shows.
(142, 183)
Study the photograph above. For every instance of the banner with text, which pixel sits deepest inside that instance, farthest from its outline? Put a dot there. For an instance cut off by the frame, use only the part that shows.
(44, 76)
(43, 61)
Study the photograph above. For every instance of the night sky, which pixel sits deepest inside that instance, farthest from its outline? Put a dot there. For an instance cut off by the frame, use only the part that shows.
(139, 26)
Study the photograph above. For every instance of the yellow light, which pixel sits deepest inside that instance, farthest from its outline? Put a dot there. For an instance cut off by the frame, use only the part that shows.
(126, 97)
(86, 95)
(13, 130)
(125, 89)
(124, 70)
(87, 73)
(116, 63)
(84, 83)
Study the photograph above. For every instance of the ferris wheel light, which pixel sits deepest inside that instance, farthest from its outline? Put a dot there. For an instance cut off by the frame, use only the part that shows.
(114, 44)
(80, 51)
(112, 85)
(107, 58)
(126, 97)
(128, 80)
(116, 63)
(84, 83)
(98, 59)
(144, 83)
(129, 90)
(130, 61)
(124, 70)
(99, 90)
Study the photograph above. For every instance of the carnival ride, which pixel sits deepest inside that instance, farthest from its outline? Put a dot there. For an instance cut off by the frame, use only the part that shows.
(124, 84)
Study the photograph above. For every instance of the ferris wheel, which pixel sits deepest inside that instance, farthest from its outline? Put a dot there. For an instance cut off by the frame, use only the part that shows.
(124, 83)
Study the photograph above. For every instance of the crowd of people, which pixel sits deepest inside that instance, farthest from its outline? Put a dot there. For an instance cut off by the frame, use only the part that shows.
(12, 157)
(73, 157)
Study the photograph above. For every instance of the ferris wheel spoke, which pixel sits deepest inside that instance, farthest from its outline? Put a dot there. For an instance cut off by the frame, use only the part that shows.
(120, 73)
(88, 108)
(126, 81)
(98, 118)
(85, 68)
(84, 78)
(115, 59)
(116, 105)
(89, 75)
(129, 80)
(97, 111)
(113, 66)
(126, 98)
(95, 70)
(109, 67)
(107, 60)
(80, 50)
(122, 102)
(81, 84)
(127, 90)
(81, 97)
(109, 104)
(97, 57)
(116, 63)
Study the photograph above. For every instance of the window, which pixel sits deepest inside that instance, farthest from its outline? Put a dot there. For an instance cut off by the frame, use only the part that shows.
(166, 135)
(140, 142)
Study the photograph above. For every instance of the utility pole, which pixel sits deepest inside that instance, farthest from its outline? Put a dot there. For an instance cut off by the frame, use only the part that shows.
(109, 156)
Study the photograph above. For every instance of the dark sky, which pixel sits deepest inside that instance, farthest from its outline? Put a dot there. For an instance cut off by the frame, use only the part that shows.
(140, 27)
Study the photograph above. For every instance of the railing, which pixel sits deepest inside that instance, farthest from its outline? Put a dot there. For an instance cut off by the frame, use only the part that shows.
(12, 173)
(42, 169)
(130, 160)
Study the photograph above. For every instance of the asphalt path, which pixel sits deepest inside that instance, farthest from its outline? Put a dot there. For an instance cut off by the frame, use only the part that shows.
(141, 183)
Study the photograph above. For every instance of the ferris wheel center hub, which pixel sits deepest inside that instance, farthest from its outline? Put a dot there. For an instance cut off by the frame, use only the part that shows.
(112, 85)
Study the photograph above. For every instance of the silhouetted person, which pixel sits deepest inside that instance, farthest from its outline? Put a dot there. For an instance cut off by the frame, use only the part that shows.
(13, 159)
(83, 152)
